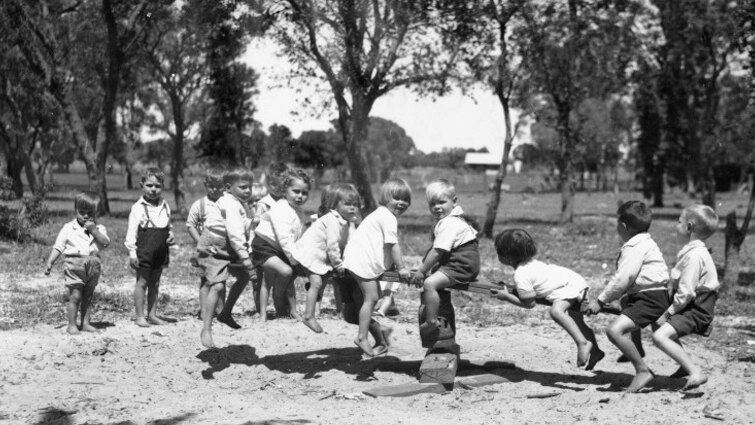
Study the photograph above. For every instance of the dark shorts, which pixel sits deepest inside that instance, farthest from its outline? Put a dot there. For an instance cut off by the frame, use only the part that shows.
(696, 317)
(262, 250)
(646, 307)
(462, 265)
(351, 297)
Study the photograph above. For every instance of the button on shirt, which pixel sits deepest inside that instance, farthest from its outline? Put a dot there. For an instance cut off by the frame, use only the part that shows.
(75, 241)
(640, 268)
(694, 273)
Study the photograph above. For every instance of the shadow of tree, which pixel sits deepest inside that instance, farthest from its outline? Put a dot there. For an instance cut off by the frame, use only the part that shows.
(53, 415)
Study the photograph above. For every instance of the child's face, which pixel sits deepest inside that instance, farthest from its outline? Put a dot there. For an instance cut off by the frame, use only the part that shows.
(241, 189)
(683, 228)
(84, 214)
(297, 193)
(441, 206)
(348, 210)
(152, 188)
(214, 189)
(397, 206)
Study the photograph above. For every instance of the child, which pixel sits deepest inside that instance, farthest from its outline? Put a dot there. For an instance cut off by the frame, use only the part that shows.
(148, 237)
(225, 239)
(695, 281)
(319, 249)
(352, 301)
(386, 306)
(373, 249)
(80, 242)
(556, 285)
(454, 256)
(642, 277)
(213, 183)
(273, 243)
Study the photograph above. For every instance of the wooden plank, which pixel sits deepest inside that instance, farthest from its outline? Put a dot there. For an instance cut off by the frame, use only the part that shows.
(405, 390)
(481, 380)
(439, 367)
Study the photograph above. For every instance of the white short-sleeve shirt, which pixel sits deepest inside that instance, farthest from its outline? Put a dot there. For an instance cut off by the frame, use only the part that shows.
(366, 254)
(549, 281)
(452, 231)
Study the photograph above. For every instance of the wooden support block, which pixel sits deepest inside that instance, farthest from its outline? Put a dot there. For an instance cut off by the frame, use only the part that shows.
(481, 380)
(405, 390)
(439, 367)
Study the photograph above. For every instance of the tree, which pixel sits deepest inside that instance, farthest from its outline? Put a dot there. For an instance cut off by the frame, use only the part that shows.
(363, 49)
(388, 147)
(318, 150)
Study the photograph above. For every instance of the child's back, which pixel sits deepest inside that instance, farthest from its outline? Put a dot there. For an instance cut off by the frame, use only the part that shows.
(548, 281)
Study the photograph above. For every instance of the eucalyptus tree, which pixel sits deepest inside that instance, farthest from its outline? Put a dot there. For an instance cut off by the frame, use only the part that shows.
(362, 50)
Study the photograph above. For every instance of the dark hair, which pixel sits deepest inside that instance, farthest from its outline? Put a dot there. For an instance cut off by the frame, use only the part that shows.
(86, 201)
(295, 174)
(274, 176)
(153, 172)
(336, 192)
(636, 216)
(214, 175)
(238, 173)
(515, 244)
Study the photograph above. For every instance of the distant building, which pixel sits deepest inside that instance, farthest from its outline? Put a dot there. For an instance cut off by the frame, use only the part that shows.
(485, 161)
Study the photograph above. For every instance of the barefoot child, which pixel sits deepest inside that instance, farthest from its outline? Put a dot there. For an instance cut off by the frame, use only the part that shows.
(226, 238)
(213, 183)
(320, 248)
(642, 277)
(147, 239)
(273, 244)
(80, 242)
(454, 256)
(695, 281)
(561, 287)
(373, 249)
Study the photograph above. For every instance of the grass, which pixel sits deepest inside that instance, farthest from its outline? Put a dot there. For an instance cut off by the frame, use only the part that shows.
(589, 246)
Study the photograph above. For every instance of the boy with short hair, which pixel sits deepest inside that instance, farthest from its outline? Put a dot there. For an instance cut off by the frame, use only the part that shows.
(213, 183)
(641, 276)
(223, 249)
(80, 242)
(695, 281)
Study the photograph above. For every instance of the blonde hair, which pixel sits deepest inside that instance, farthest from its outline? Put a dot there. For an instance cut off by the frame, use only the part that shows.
(438, 189)
(395, 188)
(335, 193)
(703, 219)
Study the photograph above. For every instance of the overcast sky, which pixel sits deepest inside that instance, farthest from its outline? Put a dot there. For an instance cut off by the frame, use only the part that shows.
(451, 121)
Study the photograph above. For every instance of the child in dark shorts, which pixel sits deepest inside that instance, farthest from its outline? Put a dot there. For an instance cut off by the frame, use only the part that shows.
(80, 242)
(352, 299)
(641, 277)
(695, 282)
(454, 256)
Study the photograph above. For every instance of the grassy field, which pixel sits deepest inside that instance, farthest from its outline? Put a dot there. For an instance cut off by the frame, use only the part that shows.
(589, 245)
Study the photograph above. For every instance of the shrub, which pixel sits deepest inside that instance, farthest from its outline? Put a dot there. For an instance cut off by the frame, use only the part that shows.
(6, 188)
(17, 225)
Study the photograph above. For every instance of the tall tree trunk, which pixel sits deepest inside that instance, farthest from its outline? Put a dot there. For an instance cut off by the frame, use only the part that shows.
(734, 238)
(14, 172)
(34, 184)
(176, 168)
(354, 128)
(495, 196)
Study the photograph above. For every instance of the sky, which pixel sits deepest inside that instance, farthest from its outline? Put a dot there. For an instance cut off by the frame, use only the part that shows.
(456, 120)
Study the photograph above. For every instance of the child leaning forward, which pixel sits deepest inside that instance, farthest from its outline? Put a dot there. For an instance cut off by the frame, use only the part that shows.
(80, 242)
(563, 288)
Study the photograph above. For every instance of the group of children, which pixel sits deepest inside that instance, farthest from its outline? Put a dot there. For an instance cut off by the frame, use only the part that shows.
(243, 232)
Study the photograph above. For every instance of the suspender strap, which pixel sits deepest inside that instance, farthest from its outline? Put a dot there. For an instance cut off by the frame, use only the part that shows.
(146, 214)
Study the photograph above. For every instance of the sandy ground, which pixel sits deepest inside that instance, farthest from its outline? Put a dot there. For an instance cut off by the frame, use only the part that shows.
(280, 372)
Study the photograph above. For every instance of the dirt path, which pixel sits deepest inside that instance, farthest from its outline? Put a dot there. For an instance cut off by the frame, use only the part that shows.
(280, 372)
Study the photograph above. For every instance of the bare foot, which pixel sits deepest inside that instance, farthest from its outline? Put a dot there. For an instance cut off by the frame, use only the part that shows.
(379, 349)
(596, 355)
(695, 380)
(295, 315)
(154, 320)
(312, 324)
(87, 327)
(206, 337)
(72, 330)
(228, 321)
(583, 353)
(364, 345)
(141, 321)
(640, 381)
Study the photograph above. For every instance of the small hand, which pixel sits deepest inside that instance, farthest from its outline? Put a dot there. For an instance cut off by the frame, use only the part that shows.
(417, 279)
(663, 319)
(48, 268)
(593, 307)
(499, 293)
(90, 226)
(133, 262)
(404, 274)
(171, 239)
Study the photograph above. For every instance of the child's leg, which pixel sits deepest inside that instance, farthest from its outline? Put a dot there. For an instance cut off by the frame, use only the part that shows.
(74, 301)
(233, 295)
(619, 333)
(86, 302)
(596, 354)
(279, 276)
(370, 292)
(220, 305)
(431, 298)
(381, 334)
(666, 339)
(153, 292)
(264, 296)
(337, 296)
(291, 299)
(212, 294)
(560, 315)
(140, 290)
(315, 283)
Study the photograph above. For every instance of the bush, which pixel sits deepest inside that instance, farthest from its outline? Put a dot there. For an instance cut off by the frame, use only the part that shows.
(17, 225)
(6, 188)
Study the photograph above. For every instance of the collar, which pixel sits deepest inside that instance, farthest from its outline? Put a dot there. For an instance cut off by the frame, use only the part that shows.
(456, 212)
(340, 218)
(143, 201)
(637, 239)
(689, 247)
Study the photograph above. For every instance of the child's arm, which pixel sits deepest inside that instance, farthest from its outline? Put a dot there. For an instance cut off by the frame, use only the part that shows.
(54, 254)
(431, 259)
(192, 221)
(332, 247)
(134, 219)
(57, 249)
(98, 233)
(626, 272)
(284, 228)
(503, 294)
(235, 228)
(398, 261)
(685, 291)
